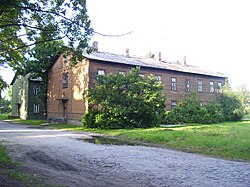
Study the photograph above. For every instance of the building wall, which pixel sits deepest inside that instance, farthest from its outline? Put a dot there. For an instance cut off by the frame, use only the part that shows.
(16, 95)
(166, 76)
(23, 99)
(35, 99)
(67, 103)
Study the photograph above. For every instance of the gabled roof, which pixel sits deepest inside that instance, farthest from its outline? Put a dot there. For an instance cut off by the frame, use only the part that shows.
(148, 62)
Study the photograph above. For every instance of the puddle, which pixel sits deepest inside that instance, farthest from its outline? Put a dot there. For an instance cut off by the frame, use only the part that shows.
(110, 141)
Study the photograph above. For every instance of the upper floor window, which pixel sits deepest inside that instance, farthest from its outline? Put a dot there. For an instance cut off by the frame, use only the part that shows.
(65, 80)
(36, 108)
(36, 90)
(122, 72)
(100, 72)
(187, 85)
(219, 87)
(173, 84)
(199, 85)
(211, 86)
(158, 78)
(173, 104)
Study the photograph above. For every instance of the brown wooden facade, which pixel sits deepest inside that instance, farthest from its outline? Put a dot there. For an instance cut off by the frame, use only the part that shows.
(67, 84)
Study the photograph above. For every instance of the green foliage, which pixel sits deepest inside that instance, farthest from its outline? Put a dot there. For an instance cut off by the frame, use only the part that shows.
(4, 157)
(189, 110)
(150, 55)
(231, 105)
(228, 107)
(244, 95)
(125, 101)
(22, 22)
(5, 106)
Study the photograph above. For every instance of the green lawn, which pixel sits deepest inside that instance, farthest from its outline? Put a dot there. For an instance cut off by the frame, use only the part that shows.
(229, 140)
(3, 116)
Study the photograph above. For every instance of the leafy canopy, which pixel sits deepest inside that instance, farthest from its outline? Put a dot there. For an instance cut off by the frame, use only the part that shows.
(23, 21)
(125, 101)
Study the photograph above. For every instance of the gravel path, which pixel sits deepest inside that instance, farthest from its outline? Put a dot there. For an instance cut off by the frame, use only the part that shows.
(59, 158)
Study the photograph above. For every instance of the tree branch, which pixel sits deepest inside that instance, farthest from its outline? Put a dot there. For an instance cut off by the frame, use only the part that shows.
(111, 35)
(28, 45)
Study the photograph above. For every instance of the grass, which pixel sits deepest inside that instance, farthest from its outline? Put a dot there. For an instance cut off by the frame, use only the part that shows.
(28, 122)
(230, 140)
(4, 157)
(3, 116)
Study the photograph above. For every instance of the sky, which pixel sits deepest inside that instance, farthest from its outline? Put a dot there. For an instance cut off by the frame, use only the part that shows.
(213, 34)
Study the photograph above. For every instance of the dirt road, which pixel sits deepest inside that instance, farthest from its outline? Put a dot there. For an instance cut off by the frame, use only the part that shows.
(59, 158)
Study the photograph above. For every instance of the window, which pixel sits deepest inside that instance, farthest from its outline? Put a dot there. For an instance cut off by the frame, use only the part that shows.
(173, 84)
(20, 92)
(100, 72)
(211, 87)
(158, 78)
(199, 85)
(36, 90)
(173, 104)
(187, 85)
(36, 108)
(219, 87)
(141, 75)
(122, 72)
(65, 80)
(201, 103)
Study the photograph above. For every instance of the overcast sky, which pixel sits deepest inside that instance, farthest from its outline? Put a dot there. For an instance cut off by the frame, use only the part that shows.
(214, 34)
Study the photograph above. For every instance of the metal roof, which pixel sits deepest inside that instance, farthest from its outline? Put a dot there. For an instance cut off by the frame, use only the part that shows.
(151, 63)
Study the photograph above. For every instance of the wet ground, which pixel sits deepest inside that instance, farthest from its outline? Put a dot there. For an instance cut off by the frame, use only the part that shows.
(64, 159)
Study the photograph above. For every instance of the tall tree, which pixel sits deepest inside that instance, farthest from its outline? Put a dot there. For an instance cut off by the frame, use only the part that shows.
(23, 21)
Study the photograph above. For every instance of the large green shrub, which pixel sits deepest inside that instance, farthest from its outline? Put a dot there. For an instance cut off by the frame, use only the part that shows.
(232, 106)
(189, 110)
(125, 101)
(228, 107)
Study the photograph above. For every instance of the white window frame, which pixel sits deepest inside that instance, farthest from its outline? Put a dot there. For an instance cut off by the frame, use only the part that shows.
(121, 72)
(36, 90)
(199, 86)
(36, 108)
(101, 72)
(187, 85)
(65, 80)
(158, 78)
(211, 87)
(173, 104)
(173, 83)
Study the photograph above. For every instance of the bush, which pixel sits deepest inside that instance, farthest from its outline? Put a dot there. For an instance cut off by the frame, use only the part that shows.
(125, 101)
(189, 110)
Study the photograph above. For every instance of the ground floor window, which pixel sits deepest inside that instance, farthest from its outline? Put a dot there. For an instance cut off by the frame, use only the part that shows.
(36, 108)
(173, 104)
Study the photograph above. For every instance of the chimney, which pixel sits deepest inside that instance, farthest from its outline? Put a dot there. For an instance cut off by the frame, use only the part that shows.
(127, 52)
(185, 60)
(95, 46)
(159, 56)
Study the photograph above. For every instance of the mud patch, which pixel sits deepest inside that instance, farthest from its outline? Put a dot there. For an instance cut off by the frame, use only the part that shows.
(41, 157)
(110, 141)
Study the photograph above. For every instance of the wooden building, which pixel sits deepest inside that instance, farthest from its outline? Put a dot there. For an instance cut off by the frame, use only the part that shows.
(66, 84)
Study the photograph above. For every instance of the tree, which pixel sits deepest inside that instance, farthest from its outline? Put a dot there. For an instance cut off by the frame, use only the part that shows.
(3, 85)
(125, 101)
(23, 21)
(244, 95)
(5, 106)
(150, 55)
(232, 107)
